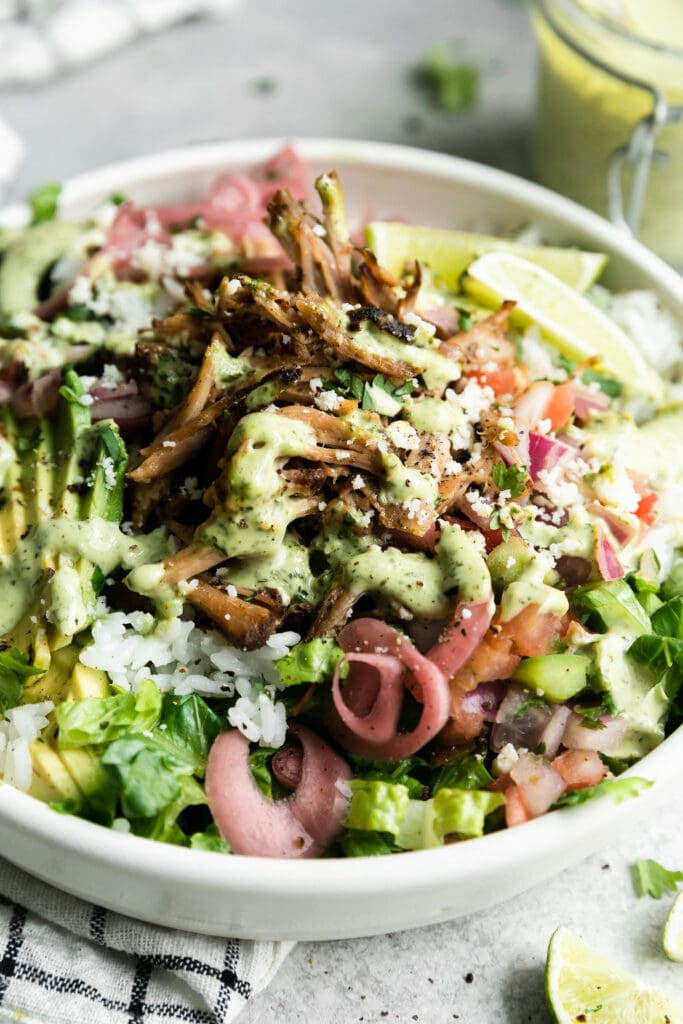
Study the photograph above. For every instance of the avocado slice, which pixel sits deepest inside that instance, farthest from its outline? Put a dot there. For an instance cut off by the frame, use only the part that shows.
(13, 520)
(73, 447)
(36, 454)
(27, 260)
(104, 497)
(87, 682)
(51, 779)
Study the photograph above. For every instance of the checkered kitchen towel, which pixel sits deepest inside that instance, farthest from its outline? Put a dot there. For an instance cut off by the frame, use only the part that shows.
(63, 961)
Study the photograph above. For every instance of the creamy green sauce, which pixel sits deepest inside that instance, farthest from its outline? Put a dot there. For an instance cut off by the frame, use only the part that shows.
(402, 483)
(437, 370)
(534, 586)
(286, 569)
(435, 416)
(67, 542)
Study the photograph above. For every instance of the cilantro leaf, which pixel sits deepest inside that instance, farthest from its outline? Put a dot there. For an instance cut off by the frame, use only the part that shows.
(591, 714)
(452, 84)
(43, 202)
(509, 478)
(468, 772)
(408, 772)
(608, 385)
(15, 668)
(651, 879)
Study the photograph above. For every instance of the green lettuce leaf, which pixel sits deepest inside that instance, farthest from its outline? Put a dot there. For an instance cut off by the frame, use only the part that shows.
(210, 840)
(611, 607)
(103, 720)
(668, 619)
(468, 772)
(412, 772)
(382, 807)
(147, 776)
(164, 826)
(618, 789)
(311, 662)
(188, 728)
(358, 843)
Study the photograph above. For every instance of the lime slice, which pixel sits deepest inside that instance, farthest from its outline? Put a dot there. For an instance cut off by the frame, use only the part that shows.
(582, 986)
(449, 253)
(672, 939)
(569, 320)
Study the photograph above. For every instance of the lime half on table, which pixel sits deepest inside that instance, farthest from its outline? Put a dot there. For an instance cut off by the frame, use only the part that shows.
(672, 940)
(584, 987)
(449, 253)
(569, 320)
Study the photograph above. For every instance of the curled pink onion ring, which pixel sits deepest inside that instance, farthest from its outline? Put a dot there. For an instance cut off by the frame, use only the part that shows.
(301, 825)
(366, 716)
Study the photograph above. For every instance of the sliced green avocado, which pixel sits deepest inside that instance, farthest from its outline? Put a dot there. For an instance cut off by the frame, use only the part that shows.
(13, 519)
(37, 469)
(73, 445)
(105, 496)
(27, 260)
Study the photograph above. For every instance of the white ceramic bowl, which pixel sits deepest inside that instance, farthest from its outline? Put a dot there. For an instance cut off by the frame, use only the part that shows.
(325, 899)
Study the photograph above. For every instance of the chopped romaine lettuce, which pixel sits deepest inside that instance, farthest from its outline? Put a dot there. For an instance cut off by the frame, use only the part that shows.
(311, 662)
(95, 720)
(15, 669)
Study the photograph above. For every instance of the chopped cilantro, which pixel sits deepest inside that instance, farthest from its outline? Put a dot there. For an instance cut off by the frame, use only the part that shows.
(347, 383)
(608, 385)
(509, 478)
(591, 714)
(264, 86)
(464, 319)
(651, 879)
(43, 202)
(452, 84)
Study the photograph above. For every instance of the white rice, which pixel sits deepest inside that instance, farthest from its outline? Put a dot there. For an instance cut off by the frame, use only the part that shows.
(652, 330)
(179, 657)
(19, 728)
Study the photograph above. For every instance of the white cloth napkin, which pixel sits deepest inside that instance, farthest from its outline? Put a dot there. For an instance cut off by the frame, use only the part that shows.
(41, 37)
(64, 961)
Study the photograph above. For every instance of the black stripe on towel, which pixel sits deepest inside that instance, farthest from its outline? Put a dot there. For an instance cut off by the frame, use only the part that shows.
(15, 939)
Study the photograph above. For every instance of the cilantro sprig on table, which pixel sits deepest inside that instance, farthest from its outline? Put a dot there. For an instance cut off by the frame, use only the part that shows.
(652, 879)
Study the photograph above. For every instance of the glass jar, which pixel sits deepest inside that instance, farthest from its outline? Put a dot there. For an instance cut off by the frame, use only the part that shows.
(609, 127)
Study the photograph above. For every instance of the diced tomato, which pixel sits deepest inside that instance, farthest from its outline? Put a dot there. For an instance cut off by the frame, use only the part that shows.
(515, 809)
(580, 768)
(560, 407)
(502, 381)
(647, 507)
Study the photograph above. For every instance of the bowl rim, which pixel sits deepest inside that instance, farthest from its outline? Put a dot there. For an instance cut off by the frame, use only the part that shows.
(415, 869)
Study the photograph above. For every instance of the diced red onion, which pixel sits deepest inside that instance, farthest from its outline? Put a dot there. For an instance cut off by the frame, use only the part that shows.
(622, 530)
(520, 728)
(553, 734)
(129, 412)
(301, 825)
(605, 740)
(540, 784)
(544, 453)
(606, 557)
(37, 397)
(587, 401)
(484, 700)
(530, 407)
(574, 569)
(446, 319)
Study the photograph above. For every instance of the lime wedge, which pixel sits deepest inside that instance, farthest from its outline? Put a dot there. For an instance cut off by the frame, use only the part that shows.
(449, 253)
(582, 986)
(569, 320)
(672, 939)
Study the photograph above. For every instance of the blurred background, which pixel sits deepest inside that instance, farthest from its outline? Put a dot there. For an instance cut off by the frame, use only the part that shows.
(84, 82)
